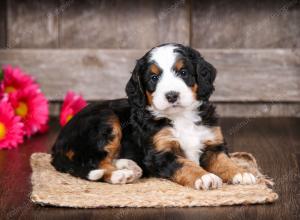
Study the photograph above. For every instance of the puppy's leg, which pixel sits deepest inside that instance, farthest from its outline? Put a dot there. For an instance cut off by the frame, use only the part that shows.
(192, 175)
(166, 160)
(110, 173)
(181, 170)
(220, 164)
(215, 160)
(119, 171)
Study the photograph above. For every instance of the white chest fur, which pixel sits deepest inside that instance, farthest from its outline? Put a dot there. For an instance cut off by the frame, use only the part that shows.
(191, 136)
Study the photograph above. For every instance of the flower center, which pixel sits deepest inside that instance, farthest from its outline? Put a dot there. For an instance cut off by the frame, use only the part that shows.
(2, 131)
(69, 117)
(22, 110)
(9, 89)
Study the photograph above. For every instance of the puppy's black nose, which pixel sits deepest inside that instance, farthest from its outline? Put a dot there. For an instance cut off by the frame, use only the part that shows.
(172, 96)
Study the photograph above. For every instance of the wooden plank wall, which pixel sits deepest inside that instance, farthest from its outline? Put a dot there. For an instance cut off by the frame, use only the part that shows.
(97, 40)
(246, 24)
(136, 24)
(96, 24)
(32, 24)
(124, 24)
(2, 24)
(252, 75)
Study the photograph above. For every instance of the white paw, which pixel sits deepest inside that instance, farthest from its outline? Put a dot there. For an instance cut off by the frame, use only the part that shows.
(130, 165)
(244, 179)
(95, 174)
(122, 176)
(208, 181)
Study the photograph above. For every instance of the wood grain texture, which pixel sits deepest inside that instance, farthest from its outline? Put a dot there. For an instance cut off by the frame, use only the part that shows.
(124, 24)
(32, 24)
(2, 24)
(250, 24)
(237, 109)
(243, 75)
(257, 109)
(143, 24)
(274, 143)
(97, 74)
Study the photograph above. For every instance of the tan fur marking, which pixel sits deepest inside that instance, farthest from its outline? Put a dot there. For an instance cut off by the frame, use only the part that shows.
(154, 69)
(194, 90)
(70, 154)
(179, 65)
(221, 165)
(165, 141)
(108, 167)
(114, 145)
(149, 98)
(112, 148)
(188, 173)
(218, 138)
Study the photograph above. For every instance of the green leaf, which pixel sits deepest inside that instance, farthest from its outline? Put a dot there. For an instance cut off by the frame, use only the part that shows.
(1, 75)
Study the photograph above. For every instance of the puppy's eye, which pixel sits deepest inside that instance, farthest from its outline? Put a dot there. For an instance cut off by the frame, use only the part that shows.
(154, 78)
(183, 73)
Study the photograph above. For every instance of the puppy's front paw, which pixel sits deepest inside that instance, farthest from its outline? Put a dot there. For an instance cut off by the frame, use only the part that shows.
(208, 181)
(244, 179)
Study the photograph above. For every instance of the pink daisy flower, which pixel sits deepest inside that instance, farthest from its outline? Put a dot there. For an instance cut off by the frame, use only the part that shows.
(14, 80)
(73, 103)
(32, 106)
(11, 127)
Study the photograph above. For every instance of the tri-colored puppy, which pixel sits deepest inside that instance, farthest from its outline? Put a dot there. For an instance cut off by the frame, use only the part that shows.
(166, 128)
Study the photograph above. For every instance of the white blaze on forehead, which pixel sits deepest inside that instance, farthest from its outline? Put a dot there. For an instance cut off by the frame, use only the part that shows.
(164, 56)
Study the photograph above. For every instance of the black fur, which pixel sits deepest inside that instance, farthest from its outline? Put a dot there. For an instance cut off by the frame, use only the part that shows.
(88, 132)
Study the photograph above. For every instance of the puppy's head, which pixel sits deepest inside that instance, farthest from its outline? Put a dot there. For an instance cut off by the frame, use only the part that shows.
(170, 78)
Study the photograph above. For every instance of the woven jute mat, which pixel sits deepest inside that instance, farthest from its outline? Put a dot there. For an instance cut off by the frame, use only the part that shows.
(50, 187)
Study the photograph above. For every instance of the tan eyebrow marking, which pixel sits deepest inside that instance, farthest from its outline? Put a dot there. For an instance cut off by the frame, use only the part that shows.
(179, 64)
(154, 69)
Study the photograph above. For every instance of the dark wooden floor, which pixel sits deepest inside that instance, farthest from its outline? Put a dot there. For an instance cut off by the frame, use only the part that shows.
(274, 142)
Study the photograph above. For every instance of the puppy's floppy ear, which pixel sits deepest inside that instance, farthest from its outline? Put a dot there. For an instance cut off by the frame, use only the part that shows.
(205, 75)
(134, 88)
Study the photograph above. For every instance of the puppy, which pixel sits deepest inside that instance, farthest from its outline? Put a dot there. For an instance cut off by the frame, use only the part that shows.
(166, 128)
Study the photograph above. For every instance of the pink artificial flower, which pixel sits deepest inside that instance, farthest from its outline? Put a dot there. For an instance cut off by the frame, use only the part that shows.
(11, 127)
(44, 128)
(73, 103)
(14, 80)
(32, 106)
